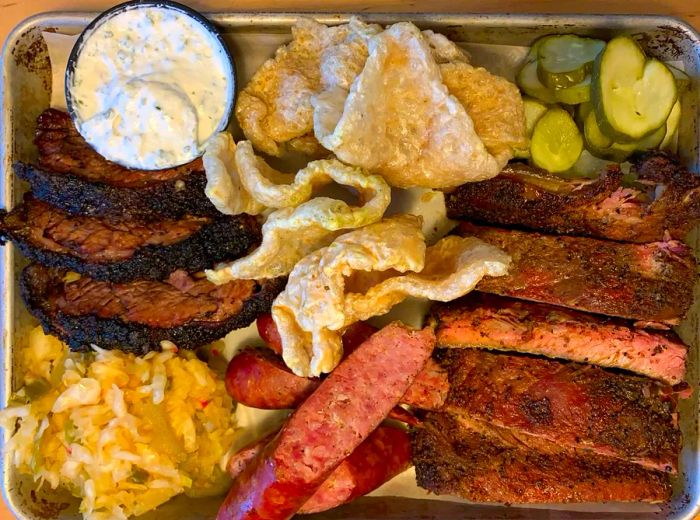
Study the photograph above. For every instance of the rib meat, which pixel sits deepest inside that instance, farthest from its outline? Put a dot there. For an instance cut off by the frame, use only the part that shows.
(73, 177)
(577, 406)
(138, 315)
(486, 464)
(646, 282)
(493, 322)
(120, 250)
(664, 199)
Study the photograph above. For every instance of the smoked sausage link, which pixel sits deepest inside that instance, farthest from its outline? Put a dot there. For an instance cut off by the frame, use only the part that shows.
(329, 425)
(354, 336)
(259, 378)
(383, 455)
(268, 332)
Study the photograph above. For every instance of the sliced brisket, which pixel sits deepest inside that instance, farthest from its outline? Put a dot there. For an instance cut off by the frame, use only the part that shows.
(493, 322)
(72, 176)
(621, 416)
(646, 282)
(138, 315)
(486, 464)
(664, 198)
(119, 249)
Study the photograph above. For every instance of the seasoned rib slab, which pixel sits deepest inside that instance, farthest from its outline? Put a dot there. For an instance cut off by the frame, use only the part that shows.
(493, 322)
(487, 465)
(137, 316)
(646, 282)
(73, 177)
(580, 406)
(120, 250)
(664, 199)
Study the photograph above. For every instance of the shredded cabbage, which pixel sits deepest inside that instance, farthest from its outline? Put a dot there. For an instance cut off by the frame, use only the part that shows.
(123, 433)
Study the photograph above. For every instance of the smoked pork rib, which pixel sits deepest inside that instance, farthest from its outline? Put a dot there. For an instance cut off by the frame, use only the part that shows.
(645, 282)
(664, 199)
(118, 249)
(487, 464)
(494, 322)
(72, 176)
(622, 416)
(138, 315)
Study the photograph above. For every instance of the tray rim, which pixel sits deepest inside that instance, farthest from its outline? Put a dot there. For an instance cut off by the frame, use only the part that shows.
(240, 18)
(516, 19)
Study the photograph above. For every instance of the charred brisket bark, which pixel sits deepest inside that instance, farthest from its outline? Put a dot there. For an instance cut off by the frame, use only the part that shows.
(137, 316)
(121, 249)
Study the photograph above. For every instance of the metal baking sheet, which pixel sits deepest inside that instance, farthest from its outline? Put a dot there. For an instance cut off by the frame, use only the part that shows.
(253, 37)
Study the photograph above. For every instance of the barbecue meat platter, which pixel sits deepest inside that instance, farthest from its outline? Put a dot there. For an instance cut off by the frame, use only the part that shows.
(536, 229)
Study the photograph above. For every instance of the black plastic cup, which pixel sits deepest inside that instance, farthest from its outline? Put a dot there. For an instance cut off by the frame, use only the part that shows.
(139, 4)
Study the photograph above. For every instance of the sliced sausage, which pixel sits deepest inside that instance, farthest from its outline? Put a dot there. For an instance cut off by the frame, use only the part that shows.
(429, 390)
(268, 332)
(383, 455)
(243, 457)
(354, 336)
(259, 378)
(329, 425)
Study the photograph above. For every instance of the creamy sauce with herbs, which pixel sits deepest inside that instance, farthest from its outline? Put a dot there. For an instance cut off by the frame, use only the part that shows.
(151, 86)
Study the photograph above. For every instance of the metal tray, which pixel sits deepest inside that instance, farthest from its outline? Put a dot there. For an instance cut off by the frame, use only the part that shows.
(253, 37)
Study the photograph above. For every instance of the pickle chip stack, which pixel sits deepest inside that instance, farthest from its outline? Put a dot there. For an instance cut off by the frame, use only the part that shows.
(591, 103)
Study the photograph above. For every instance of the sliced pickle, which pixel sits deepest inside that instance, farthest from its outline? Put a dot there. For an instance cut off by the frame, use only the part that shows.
(533, 111)
(588, 166)
(579, 93)
(527, 78)
(632, 95)
(566, 60)
(601, 145)
(653, 140)
(556, 142)
(582, 112)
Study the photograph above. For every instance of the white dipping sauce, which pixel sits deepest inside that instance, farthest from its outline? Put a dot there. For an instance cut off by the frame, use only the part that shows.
(151, 85)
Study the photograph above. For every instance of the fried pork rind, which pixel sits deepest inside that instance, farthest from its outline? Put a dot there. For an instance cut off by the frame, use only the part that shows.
(301, 225)
(277, 190)
(444, 50)
(399, 120)
(274, 109)
(453, 267)
(359, 276)
(276, 113)
(494, 104)
(224, 187)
